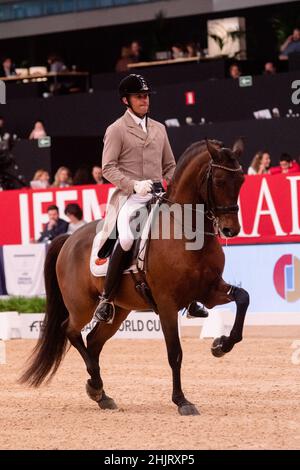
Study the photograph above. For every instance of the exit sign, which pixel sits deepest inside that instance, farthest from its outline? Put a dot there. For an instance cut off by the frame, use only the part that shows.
(245, 80)
(44, 142)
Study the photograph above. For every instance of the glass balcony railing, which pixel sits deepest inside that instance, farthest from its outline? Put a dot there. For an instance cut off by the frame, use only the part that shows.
(25, 9)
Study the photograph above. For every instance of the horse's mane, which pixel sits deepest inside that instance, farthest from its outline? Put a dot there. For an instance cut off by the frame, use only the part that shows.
(190, 153)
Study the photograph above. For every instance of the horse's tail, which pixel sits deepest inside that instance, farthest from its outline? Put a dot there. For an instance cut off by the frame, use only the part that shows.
(52, 343)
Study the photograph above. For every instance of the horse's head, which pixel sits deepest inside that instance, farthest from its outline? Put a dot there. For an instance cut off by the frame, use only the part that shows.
(221, 186)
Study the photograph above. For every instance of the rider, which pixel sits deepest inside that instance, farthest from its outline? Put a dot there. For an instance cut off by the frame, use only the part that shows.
(137, 156)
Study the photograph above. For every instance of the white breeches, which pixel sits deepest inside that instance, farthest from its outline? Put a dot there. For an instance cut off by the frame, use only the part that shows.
(133, 203)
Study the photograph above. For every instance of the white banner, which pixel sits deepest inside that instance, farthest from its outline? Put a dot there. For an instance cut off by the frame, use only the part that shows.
(24, 269)
(270, 273)
(31, 325)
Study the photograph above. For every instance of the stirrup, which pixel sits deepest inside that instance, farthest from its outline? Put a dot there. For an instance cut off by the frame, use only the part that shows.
(195, 311)
(105, 311)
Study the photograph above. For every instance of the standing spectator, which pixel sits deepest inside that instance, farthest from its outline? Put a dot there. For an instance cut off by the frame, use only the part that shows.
(260, 163)
(40, 179)
(56, 64)
(62, 178)
(286, 165)
(234, 71)
(54, 227)
(290, 45)
(74, 213)
(38, 130)
(7, 68)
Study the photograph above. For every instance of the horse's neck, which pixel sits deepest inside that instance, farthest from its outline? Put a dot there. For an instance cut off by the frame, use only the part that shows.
(185, 187)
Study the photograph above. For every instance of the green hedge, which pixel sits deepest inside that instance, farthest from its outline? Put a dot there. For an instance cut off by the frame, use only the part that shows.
(23, 304)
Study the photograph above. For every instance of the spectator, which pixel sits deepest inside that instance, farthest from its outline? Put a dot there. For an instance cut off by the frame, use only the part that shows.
(38, 130)
(62, 178)
(83, 176)
(269, 68)
(98, 176)
(234, 71)
(290, 45)
(40, 179)
(177, 51)
(260, 163)
(135, 51)
(192, 50)
(54, 227)
(286, 165)
(56, 64)
(126, 58)
(74, 213)
(4, 135)
(7, 68)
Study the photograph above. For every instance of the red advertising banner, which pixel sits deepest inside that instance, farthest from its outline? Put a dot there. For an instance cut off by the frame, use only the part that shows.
(269, 209)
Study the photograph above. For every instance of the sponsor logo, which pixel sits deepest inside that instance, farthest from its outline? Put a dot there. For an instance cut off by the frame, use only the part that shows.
(286, 277)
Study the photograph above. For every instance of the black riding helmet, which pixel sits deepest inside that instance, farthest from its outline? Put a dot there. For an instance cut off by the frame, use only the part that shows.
(133, 84)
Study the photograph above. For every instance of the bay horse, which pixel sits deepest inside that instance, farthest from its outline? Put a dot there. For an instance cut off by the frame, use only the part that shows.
(206, 173)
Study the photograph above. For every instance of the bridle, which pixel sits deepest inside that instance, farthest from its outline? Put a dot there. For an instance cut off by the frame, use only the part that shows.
(212, 209)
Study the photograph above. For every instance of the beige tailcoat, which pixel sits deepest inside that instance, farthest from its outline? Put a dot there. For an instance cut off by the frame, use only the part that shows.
(131, 155)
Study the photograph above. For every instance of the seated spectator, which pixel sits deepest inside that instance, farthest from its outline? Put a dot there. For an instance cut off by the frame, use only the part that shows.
(98, 176)
(74, 213)
(126, 58)
(135, 51)
(177, 51)
(7, 68)
(54, 227)
(269, 68)
(62, 178)
(56, 64)
(286, 165)
(260, 163)
(192, 50)
(38, 131)
(83, 176)
(290, 45)
(40, 179)
(234, 71)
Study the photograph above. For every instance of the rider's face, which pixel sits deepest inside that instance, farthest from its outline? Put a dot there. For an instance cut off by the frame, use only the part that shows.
(139, 103)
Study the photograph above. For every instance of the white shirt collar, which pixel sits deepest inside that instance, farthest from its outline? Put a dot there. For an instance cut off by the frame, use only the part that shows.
(138, 120)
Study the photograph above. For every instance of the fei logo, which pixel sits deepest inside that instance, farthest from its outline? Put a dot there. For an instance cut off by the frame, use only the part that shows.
(286, 277)
(2, 93)
(296, 94)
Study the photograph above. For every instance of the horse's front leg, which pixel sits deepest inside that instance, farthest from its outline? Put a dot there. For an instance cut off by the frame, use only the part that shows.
(169, 323)
(240, 296)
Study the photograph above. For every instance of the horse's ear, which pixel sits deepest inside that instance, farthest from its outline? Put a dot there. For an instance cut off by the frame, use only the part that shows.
(213, 151)
(238, 147)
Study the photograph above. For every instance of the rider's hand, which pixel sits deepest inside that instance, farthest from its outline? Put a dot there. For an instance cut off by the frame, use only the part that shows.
(143, 187)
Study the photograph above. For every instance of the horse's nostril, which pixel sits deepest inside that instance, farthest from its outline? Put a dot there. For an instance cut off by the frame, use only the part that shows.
(227, 232)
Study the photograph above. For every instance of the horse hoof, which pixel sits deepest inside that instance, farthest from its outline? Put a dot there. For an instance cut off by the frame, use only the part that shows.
(188, 410)
(107, 403)
(93, 393)
(216, 348)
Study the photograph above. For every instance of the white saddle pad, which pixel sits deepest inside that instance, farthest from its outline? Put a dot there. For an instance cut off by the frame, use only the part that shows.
(99, 266)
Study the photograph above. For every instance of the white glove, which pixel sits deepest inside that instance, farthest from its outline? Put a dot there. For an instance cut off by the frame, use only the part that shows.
(143, 187)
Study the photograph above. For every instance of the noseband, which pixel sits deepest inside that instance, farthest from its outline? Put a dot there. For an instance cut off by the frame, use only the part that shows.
(212, 209)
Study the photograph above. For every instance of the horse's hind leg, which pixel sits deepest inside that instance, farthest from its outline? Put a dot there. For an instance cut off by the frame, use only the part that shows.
(95, 342)
(169, 323)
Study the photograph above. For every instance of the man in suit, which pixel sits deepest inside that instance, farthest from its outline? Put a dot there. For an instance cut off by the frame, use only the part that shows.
(136, 155)
(54, 227)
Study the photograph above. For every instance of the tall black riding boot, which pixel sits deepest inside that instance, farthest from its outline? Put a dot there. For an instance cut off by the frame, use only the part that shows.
(195, 311)
(117, 263)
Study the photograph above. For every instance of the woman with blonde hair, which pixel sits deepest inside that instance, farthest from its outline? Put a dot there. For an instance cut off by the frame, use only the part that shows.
(40, 179)
(260, 163)
(62, 178)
